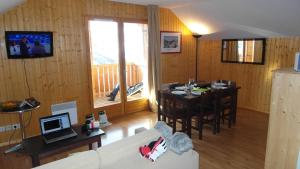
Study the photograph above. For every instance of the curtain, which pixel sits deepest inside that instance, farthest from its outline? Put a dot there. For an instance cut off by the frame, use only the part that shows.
(154, 55)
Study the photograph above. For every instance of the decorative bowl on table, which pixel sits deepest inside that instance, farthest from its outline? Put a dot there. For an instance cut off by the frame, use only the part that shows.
(180, 88)
(9, 105)
(178, 92)
(198, 90)
(219, 85)
(197, 93)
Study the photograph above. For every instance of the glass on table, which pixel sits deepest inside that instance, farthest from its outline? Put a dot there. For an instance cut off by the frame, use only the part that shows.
(187, 89)
(229, 83)
(212, 85)
(191, 81)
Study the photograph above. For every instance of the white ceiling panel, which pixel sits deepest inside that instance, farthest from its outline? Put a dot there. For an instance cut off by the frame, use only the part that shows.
(235, 18)
(7, 4)
(226, 18)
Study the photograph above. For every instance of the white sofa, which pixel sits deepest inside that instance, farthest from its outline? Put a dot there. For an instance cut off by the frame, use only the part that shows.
(124, 154)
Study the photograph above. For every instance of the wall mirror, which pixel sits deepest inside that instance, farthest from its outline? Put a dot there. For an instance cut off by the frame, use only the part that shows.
(250, 51)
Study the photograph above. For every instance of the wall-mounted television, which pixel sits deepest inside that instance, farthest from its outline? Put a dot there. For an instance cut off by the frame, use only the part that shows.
(28, 44)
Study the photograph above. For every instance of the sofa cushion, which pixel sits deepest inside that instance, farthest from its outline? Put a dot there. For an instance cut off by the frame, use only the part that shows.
(125, 147)
(82, 160)
(125, 154)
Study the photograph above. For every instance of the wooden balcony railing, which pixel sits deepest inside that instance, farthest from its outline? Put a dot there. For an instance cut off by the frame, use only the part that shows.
(106, 76)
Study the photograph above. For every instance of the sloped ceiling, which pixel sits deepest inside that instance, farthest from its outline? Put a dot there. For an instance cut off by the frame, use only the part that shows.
(235, 18)
(7, 4)
(226, 18)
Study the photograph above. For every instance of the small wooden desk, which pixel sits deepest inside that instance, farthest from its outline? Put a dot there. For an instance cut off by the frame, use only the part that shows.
(36, 148)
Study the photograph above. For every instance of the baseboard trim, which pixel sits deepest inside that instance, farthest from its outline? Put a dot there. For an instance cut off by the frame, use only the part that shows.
(251, 109)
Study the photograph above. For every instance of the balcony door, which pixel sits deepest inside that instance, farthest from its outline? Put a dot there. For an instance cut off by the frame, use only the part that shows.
(118, 52)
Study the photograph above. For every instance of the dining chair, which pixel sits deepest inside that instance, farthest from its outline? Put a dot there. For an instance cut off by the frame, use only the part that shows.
(227, 104)
(167, 86)
(206, 112)
(171, 108)
(174, 85)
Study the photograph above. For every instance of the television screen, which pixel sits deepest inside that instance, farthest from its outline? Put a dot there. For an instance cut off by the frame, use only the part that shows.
(21, 44)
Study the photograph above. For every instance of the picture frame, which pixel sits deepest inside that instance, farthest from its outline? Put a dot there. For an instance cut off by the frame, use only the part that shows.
(170, 42)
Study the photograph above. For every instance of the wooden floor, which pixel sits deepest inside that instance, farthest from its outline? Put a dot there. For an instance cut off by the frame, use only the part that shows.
(241, 147)
(103, 101)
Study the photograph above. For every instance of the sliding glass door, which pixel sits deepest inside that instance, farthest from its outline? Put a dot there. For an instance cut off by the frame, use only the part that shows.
(136, 54)
(118, 65)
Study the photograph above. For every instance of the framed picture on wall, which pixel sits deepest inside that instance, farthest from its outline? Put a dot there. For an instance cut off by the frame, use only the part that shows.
(170, 42)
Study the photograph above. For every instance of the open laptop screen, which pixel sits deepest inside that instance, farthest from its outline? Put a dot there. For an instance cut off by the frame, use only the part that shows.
(55, 123)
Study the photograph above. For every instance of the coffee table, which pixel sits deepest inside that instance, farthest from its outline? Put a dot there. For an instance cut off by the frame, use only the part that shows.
(36, 148)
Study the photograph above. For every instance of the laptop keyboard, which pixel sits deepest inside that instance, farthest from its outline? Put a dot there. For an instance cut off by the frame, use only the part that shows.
(54, 135)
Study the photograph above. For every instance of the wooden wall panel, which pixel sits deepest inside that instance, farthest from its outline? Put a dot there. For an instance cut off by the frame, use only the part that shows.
(63, 77)
(255, 80)
(284, 122)
(178, 67)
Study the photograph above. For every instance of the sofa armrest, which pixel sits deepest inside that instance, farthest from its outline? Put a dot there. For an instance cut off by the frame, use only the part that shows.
(82, 160)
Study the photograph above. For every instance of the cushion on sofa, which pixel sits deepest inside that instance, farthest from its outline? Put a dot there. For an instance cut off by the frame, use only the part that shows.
(109, 154)
(125, 154)
(82, 160)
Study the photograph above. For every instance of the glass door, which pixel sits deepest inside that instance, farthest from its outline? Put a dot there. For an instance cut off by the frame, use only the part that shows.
(118, 65)
(136, 54)
(104, 47)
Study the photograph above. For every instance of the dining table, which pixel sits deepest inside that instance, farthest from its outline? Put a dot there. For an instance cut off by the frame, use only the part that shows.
(189, 98)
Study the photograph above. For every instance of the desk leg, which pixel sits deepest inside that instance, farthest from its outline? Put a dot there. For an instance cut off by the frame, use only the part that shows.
(35, 160)
(22, 127)
(98, 142)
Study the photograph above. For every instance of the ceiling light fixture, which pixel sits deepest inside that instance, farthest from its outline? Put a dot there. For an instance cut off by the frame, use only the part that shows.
(198, 28)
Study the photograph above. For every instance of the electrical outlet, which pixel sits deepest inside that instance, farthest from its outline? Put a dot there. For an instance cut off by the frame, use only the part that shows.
(9, 127)
(16, 126)
(2, 129)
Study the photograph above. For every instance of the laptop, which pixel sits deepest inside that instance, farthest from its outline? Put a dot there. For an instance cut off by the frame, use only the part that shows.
(57, 127)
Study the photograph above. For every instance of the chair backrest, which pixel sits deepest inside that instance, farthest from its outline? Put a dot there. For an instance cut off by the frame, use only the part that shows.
(225, 97)
(225, 92)
(207, 102)
(172, 86)
(167, 86)
(159, 107)
(168, 103)
(228, 82)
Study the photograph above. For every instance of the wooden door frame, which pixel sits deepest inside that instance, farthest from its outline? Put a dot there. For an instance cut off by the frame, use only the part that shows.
(120, 107)
(139, 104)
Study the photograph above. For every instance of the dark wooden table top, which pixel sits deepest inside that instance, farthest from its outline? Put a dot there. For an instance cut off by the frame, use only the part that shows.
(36, 145)
(190, 97)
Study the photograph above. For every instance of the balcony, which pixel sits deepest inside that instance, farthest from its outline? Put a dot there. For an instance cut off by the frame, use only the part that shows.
(106, 76)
